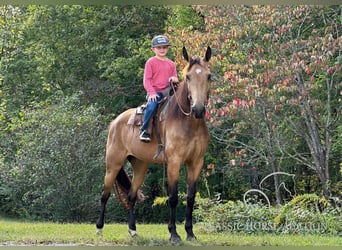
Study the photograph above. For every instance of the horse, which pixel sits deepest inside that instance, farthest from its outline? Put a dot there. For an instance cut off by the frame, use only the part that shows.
(185, 138)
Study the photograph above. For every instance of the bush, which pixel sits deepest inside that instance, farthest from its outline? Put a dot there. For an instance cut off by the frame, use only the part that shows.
(309, 213)
(233, 216)
(56, 173)
(306, 214)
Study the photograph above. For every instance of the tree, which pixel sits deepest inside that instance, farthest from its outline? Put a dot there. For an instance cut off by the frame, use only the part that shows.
(315, 77)
(65, 72)
(276, 63)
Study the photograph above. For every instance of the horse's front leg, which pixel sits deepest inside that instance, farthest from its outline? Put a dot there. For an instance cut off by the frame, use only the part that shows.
(194, 169)
(173, 175)
(173, 200)
(190, 201)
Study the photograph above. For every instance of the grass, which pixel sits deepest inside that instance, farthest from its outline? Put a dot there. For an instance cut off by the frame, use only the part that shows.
(28, 233)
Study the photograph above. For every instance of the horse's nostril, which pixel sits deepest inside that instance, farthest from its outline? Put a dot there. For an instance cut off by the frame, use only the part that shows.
(198, 112)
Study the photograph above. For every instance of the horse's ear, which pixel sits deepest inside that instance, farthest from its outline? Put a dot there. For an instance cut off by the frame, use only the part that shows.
(185, 54)
(207, 54)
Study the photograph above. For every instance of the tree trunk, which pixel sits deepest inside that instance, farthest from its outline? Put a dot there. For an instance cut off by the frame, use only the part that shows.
(318, 150)
(276, 186)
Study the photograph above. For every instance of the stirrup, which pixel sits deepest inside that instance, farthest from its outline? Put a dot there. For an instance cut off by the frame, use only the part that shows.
(144, 136)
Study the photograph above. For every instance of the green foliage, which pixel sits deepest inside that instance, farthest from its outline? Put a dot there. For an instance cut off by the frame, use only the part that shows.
(79, 66)
(185, 17)
(91, 44)
(60, 152)
(125, 73)
(305, 214)
(234, 217)
(337, 162)
(66, 71)
(312, 213)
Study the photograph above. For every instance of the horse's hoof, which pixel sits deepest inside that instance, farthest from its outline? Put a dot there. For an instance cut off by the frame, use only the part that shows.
(99, 231)
(175, 240)
(191, 238)
(132, 233)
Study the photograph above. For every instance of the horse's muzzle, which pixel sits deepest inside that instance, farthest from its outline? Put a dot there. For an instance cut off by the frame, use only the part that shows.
(198, 111)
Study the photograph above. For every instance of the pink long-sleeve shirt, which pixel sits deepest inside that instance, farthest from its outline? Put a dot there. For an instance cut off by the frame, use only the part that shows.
(157, 73)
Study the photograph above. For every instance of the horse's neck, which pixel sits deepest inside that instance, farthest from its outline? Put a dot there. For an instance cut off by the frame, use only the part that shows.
(180, 104)
(179, 110)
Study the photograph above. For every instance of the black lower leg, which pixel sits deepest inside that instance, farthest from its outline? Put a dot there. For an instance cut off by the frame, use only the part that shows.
(104, 199)
(189, 209)
(173, 200)
(131, 214)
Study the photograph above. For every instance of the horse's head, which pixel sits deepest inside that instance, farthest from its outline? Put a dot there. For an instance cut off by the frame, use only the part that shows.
(197, 77)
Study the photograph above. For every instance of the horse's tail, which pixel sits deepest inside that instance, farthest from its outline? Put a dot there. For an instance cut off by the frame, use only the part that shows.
(122, 186)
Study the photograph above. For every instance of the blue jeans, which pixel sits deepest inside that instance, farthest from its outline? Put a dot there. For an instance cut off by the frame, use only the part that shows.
(151, 108)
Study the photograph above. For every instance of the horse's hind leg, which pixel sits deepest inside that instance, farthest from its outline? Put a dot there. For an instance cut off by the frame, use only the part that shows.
(113, 166)
(139, 172)
(100, 221)
(108, 185)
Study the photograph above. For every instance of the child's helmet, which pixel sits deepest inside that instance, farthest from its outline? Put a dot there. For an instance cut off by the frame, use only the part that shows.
(160, 41)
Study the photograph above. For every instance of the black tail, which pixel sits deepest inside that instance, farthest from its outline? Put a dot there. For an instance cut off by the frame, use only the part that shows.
(121, 187)
(123, 180)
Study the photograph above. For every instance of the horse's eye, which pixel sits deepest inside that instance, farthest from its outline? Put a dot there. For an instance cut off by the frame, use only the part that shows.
(187, 77)
(209, 77)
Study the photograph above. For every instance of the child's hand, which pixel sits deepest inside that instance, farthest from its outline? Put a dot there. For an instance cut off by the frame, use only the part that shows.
(173, 79)
(152, 98)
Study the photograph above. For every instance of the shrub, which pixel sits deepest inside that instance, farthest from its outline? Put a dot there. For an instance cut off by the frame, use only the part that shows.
(58, 163)
(233, 216)
(309, 213)
(306, 214)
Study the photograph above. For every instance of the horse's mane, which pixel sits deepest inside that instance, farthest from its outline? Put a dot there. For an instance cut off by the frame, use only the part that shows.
(174, 111)
(193, 61)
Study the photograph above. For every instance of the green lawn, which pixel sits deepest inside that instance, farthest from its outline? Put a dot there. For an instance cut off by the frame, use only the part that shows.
(28, 233)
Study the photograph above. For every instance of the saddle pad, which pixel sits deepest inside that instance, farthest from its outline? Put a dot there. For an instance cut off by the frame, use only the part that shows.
(137, 117)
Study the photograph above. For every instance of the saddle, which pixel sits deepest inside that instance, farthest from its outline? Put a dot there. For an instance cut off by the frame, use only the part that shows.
(136, 119)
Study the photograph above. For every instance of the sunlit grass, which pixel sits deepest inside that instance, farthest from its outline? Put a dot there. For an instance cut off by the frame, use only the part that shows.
(28, 233)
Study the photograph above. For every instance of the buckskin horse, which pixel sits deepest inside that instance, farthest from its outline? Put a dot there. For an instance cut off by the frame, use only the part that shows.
(185, 138)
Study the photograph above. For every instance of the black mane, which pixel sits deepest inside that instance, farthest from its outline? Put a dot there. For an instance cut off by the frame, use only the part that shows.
(193, 61)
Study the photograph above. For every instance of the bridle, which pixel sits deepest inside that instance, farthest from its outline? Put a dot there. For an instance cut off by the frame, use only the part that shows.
(177, 100)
